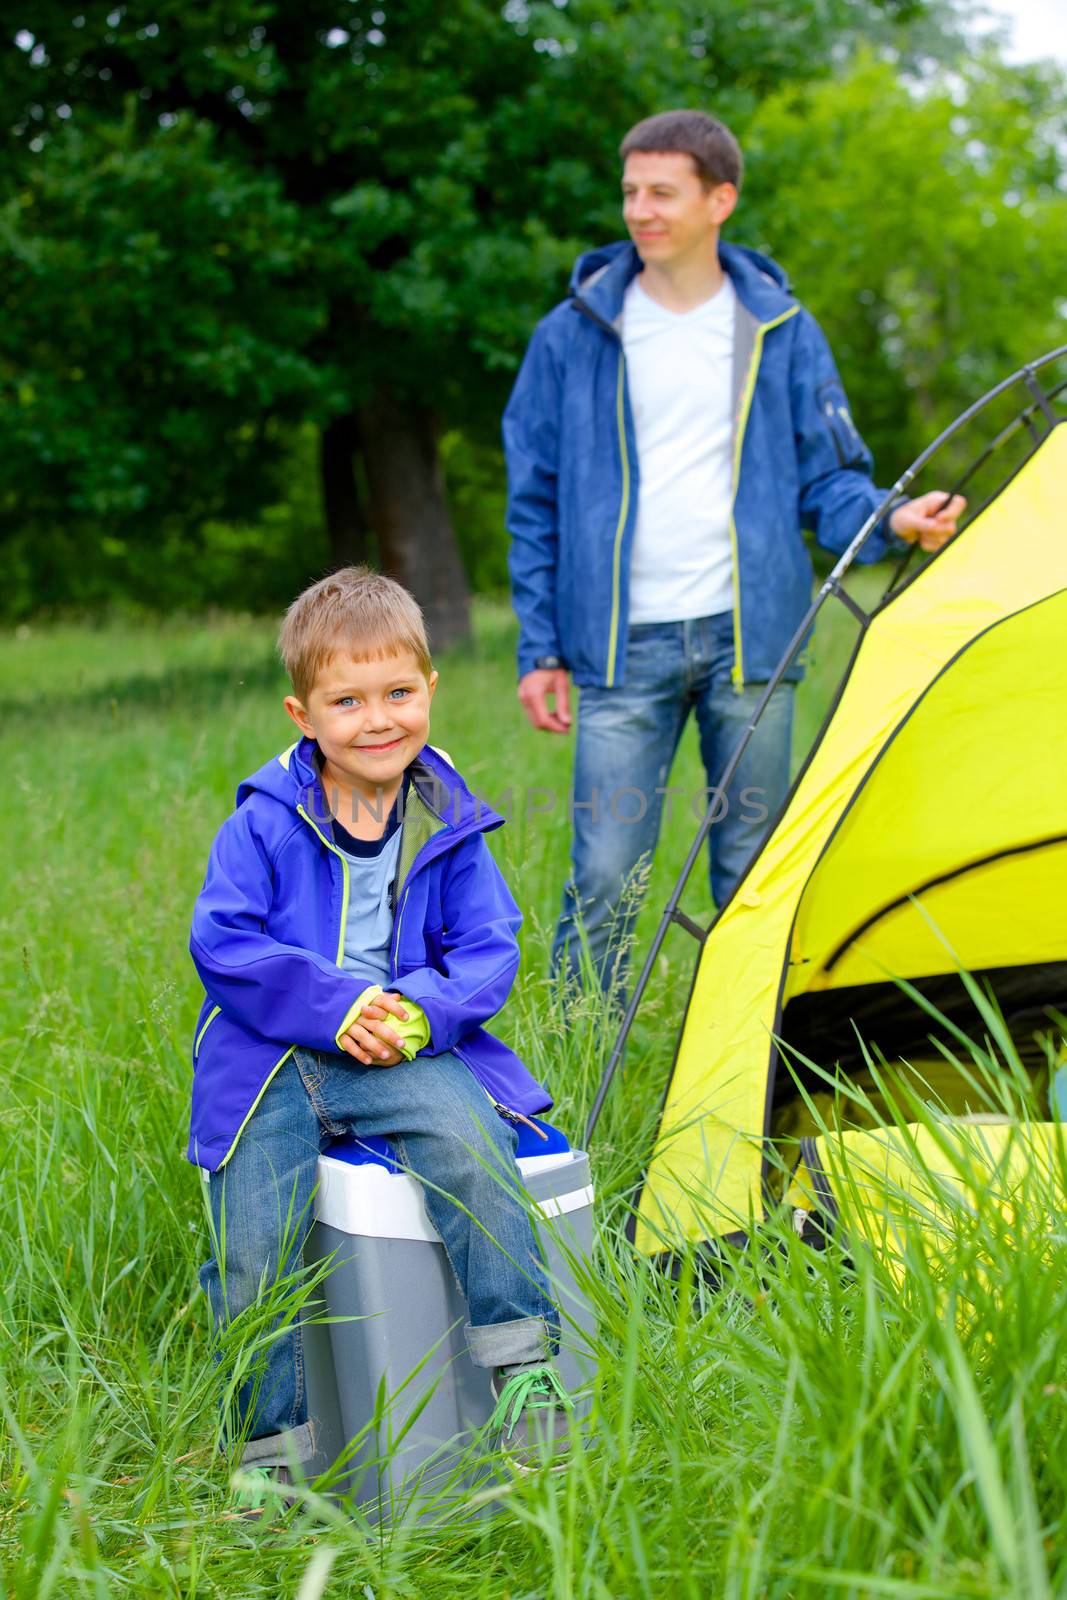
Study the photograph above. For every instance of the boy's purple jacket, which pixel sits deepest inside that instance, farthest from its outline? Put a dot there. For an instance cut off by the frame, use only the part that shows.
(268, 931)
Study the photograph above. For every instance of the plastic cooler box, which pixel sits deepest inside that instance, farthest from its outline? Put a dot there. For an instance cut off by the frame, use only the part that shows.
(397, 1342)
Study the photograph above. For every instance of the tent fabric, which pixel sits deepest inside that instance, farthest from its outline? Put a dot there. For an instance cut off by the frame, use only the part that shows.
(928, 830)
(931, 1189)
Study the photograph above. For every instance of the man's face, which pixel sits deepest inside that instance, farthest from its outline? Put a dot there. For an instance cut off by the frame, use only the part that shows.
(370, 718)
(668, 211)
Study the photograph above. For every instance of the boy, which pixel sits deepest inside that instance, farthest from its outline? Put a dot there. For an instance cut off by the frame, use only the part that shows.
(352, 935)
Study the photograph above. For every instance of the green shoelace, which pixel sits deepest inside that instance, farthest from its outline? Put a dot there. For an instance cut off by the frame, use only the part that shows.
(252, 1491)
(536, 1389)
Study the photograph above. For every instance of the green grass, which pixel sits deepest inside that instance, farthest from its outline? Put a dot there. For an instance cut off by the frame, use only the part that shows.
(811, 1430)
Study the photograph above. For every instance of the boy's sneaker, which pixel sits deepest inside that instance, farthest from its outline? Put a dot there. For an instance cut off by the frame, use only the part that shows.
(531, 1417)
(254, 1491)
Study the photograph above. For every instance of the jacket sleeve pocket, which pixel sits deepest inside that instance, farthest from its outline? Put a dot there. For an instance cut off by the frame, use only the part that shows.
(836, 417)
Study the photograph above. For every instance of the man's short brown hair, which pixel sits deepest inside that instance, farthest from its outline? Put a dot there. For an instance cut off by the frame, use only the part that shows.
(716, 153)
(356, 610)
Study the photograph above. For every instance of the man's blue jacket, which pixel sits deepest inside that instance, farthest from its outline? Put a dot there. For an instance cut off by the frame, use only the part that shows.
(268, 938)
(572, 470)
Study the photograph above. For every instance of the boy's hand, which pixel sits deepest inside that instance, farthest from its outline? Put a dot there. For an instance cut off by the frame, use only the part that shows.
(382, 1007)
(369, 1047)
(370, 1040)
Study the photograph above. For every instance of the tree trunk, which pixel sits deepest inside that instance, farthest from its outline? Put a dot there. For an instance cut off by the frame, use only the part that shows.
(410, 517)
(346, 520)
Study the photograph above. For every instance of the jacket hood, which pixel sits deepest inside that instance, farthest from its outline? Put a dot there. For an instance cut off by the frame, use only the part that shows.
(600, 279)
(293, 778)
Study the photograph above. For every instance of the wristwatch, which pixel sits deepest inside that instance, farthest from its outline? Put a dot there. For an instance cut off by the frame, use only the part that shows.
(547, 663)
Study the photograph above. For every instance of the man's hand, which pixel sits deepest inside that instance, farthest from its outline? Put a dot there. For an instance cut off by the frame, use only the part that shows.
(370, 1039)
(929, 518)
(535, 691)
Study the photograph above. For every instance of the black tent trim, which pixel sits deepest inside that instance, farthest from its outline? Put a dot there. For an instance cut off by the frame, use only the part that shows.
(934, 883)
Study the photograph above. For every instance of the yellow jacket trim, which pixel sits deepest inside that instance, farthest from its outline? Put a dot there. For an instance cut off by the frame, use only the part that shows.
(344, 871)
(208, 1020)
(624, 510)
(272, 1074)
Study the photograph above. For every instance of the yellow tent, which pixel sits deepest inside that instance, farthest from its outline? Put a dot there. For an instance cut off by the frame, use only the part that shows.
(927, 830)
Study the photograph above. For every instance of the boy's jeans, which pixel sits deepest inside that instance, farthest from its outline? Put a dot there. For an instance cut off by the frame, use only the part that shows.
(435, 1114)
(627, 738)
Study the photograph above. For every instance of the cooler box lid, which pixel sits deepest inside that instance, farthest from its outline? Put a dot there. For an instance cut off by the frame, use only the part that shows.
(361, 1190)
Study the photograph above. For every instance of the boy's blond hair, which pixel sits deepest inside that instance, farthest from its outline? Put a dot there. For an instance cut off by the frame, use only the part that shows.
(356, 610)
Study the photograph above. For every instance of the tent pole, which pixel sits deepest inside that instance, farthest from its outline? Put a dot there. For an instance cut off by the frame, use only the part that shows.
(670, 910)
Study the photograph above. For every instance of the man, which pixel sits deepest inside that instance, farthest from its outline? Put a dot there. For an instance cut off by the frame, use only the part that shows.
(675, 425)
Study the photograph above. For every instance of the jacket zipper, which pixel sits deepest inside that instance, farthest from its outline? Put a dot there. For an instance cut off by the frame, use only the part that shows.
(402, 898)
(624, 511)
(508, 1112)
(747, 392)
(397, 920)
(505, 1111)
(401, 891)
(511, 1115)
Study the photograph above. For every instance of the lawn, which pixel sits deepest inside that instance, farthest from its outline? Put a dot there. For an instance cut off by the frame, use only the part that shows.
(812, 1429)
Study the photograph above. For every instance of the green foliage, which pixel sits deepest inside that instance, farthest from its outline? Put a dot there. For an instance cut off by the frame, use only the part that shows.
(152, 356)
(924, 224)
(477, 495)
(222, 222)
(811, 1430)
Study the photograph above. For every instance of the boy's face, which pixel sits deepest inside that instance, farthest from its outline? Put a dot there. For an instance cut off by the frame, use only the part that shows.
(370, 719)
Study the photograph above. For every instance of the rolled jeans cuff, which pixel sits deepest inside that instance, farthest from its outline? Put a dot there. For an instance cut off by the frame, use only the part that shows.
(522, 1342)
(292, 1448)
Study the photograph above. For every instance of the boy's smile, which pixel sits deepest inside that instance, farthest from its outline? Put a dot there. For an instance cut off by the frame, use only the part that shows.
(370, 719)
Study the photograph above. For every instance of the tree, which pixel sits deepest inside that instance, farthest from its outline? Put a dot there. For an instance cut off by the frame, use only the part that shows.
(154, 347)
(924, 223)
(229, 217)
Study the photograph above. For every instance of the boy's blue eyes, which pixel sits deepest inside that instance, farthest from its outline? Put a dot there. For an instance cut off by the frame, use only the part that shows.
(350, 699)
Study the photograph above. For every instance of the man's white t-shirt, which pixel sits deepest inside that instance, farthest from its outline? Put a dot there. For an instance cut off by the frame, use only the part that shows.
(679, 374)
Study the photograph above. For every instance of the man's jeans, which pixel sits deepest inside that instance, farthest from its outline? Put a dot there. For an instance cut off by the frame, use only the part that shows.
(435, 1114)
(627, 738)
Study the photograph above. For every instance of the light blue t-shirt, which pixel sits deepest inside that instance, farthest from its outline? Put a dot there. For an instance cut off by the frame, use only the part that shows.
(369, 923)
